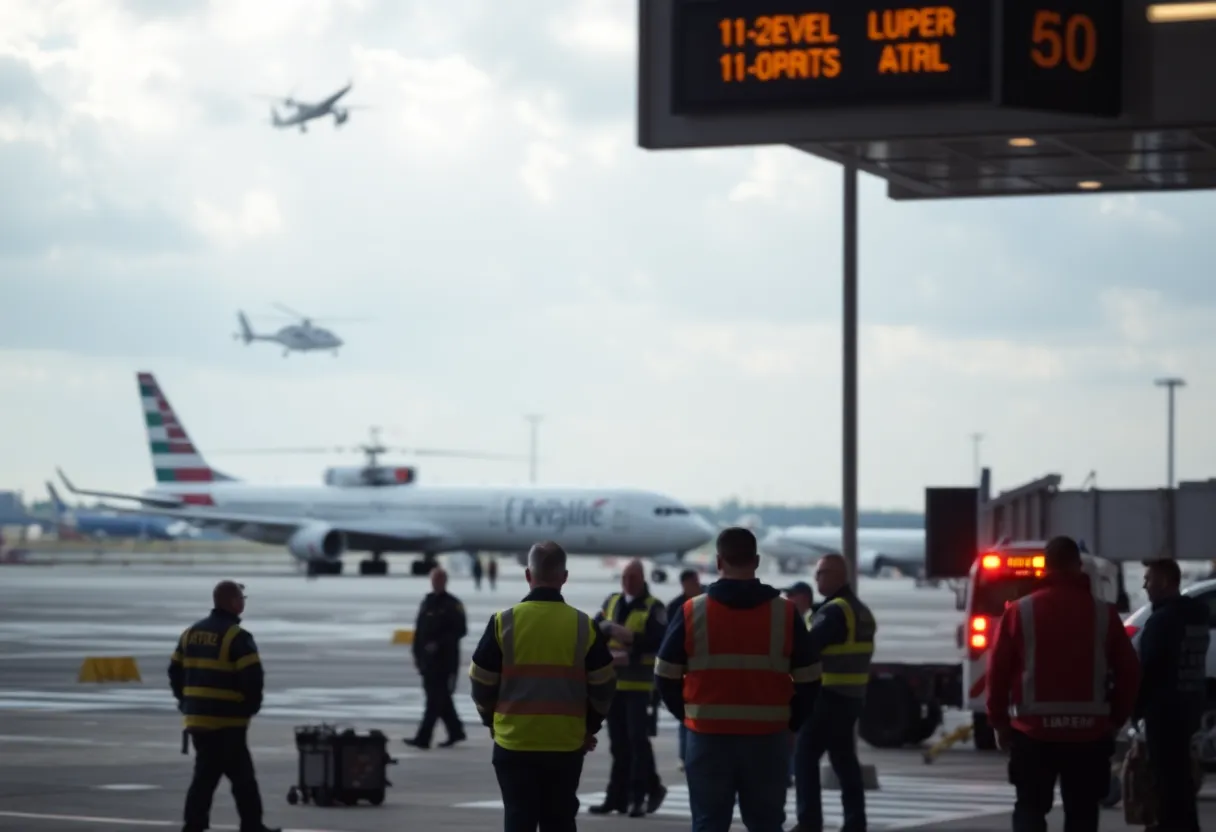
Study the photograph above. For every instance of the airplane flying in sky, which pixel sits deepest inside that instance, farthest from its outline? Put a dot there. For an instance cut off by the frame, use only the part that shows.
(304, 112)
(318, 524)
(100, 525)
(796, 547)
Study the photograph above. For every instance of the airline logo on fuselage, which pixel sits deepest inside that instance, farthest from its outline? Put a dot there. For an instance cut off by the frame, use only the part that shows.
(556, 515)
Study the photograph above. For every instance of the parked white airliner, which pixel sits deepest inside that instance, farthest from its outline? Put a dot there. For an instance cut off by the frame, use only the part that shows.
(318, 524)
(796, 547)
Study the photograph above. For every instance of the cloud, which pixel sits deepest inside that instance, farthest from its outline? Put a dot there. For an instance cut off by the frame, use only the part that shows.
(257, 216)
(487, 211)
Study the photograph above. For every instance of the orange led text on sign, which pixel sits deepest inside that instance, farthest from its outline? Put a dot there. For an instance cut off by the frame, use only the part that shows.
(792, 46)
(803, 46)
(920, 32)
(1055, 40)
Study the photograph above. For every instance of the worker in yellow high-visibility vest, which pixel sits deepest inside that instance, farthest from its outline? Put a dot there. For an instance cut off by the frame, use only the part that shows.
(842, 634)
(635, 622)
(543, 682)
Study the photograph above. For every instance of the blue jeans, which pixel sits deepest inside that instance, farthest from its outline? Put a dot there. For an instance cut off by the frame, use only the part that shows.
(751, 767)
(830, 729)
(683, 740)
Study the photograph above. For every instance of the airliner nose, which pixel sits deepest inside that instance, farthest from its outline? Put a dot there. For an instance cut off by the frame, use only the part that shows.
(701, 531)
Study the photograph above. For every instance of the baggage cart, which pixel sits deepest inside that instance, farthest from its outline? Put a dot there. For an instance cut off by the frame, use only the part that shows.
(340, 767)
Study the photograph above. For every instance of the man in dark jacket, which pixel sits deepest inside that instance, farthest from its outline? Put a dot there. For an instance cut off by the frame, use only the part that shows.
(1173, 652)
(216, 677)
(437, 634)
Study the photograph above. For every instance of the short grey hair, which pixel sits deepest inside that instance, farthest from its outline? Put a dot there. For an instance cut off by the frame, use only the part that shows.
(547, 561)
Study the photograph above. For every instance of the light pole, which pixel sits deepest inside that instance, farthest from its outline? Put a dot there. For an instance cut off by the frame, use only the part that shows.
(976, 439)
(534, 420)
(1170, 384)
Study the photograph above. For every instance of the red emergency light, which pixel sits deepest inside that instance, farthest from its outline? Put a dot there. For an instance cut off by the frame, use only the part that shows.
(978, 638)
(1013, 565)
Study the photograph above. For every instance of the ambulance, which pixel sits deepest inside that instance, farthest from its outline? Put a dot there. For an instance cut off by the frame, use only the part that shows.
(999, 577)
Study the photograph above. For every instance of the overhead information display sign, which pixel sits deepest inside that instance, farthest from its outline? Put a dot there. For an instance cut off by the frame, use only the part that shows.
(741, 56)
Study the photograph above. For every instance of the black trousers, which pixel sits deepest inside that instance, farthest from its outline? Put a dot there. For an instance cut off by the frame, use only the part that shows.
(539, 789)
(1169, 761)
(633, 774)
(831, 729)
(439, 706)
(1083, 770)
(218, 754)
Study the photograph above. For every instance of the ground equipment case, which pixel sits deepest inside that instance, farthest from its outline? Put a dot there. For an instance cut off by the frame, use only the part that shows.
(340, 767)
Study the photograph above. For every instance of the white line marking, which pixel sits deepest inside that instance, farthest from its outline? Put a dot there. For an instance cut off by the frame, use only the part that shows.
(128, 787)
(80, 741)
(127, 821)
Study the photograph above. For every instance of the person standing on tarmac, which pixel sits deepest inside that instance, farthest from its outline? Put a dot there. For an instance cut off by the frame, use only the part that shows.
(690, 586)
(216, 677)
(543, 682)
(440, 627)
(803, 599)
(634, 621)
(492, 572)
(1051, 697)
(737, 669)
(1173, 652)
(842, 637)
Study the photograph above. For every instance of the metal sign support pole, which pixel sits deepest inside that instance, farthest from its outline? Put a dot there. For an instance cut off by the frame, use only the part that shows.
(848, 502)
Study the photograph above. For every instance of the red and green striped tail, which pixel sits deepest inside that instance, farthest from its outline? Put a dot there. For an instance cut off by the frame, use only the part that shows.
(174, 457)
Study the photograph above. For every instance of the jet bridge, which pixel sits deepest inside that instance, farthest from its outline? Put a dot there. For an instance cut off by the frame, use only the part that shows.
(1123, 525)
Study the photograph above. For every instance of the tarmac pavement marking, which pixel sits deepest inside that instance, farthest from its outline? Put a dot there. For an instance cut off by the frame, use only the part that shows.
(36, 816)
(901, 803)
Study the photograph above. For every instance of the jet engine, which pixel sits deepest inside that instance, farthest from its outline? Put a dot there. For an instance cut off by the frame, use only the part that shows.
(317, 541)
(340, 116)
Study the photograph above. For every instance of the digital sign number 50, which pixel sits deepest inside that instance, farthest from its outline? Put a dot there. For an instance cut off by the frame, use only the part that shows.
(1053, 39)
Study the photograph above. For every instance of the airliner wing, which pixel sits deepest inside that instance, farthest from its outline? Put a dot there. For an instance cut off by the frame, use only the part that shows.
(361, 533)
(151, 502)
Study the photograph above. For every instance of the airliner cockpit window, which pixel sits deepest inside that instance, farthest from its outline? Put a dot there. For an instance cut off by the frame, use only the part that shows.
(668, 511)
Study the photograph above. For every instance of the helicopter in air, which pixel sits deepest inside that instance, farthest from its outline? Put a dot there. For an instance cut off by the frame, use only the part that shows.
(373, 472)
(304, 112)
(300, 337)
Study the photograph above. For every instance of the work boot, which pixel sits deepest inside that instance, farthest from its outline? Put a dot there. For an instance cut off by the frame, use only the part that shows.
(637, 810)
(656, 799)
(413, 742)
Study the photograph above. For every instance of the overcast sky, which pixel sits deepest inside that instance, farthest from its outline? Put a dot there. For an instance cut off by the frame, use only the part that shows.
(673, 314)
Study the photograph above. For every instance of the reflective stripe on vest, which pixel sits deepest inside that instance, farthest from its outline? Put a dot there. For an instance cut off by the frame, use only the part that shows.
(542, 693)
(1097, 704)
(814, 673)
(639, 675)
(211, 697)
(846, 666)
(737, 692)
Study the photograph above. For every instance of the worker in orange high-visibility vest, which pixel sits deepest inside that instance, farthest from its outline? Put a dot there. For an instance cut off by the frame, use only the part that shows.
(1062, 680)
(736, 667)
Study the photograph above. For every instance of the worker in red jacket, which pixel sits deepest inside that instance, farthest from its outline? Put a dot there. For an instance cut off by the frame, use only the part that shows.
(1062, 680)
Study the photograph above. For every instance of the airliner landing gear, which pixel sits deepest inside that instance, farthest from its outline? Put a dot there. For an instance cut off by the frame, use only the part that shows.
(658, 576)
(424, 566)
(324, 567)
(375, 565)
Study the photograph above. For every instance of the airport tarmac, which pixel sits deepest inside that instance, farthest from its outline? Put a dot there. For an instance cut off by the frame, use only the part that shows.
(107, 756)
